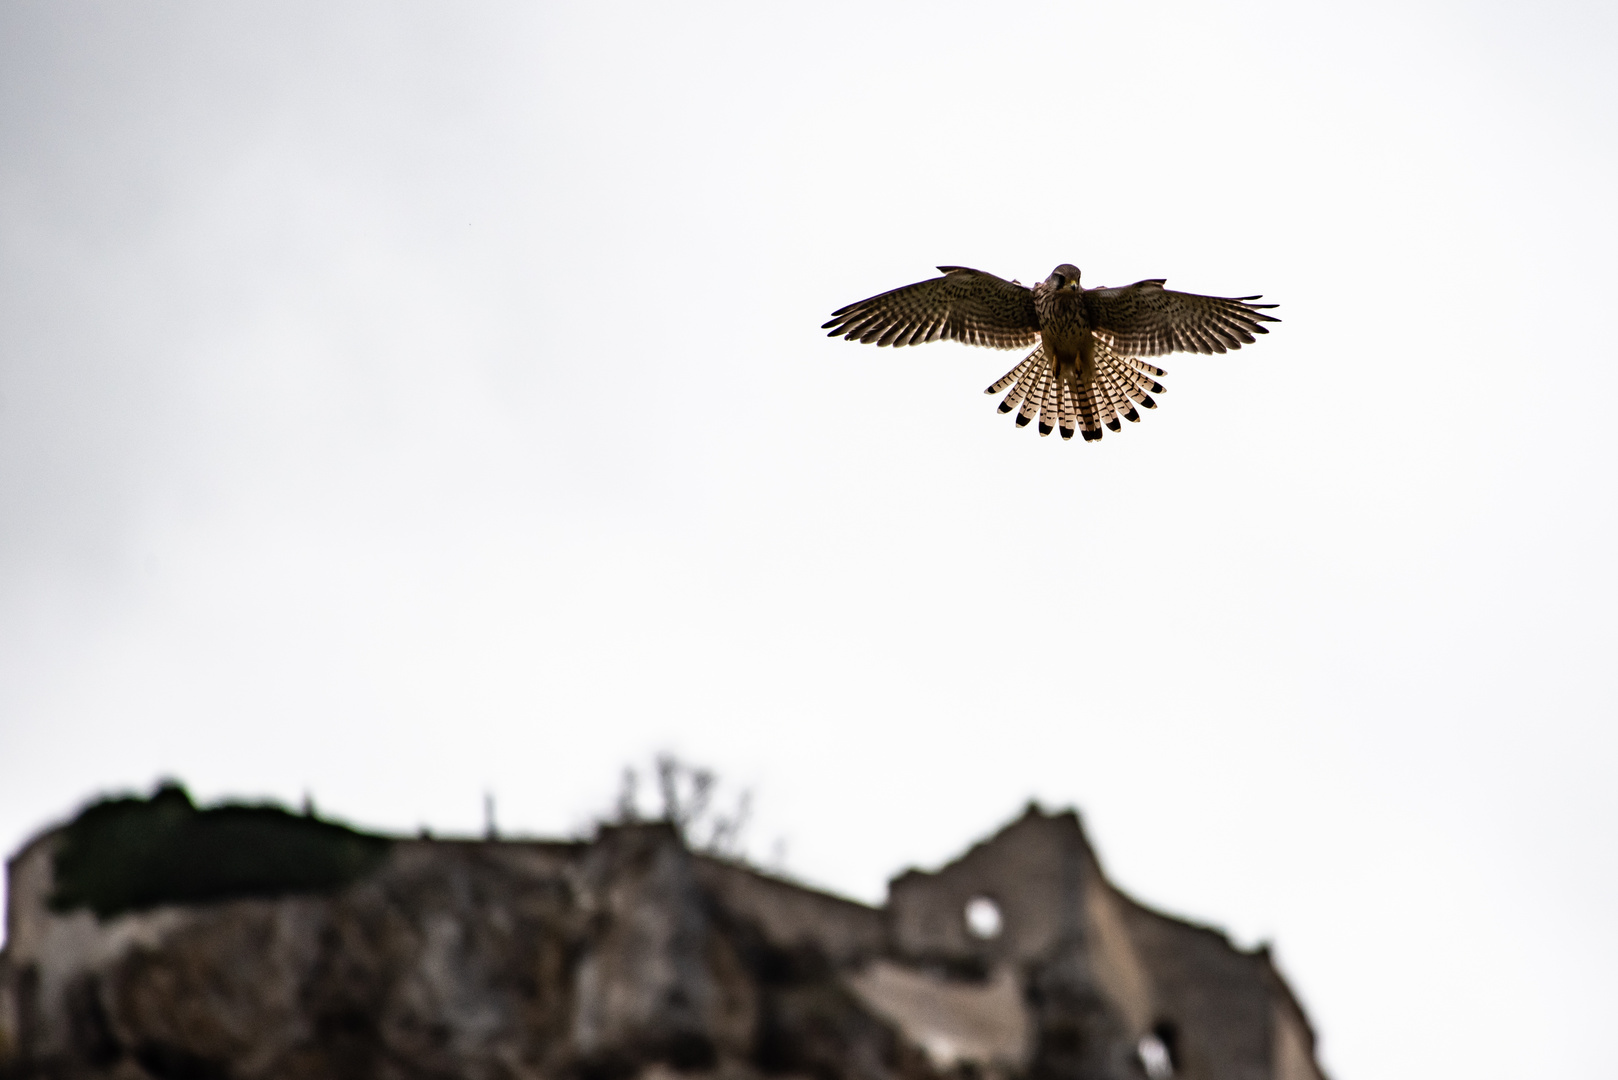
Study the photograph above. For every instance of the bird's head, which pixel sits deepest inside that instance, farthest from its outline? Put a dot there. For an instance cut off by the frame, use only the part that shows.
(1065, 276)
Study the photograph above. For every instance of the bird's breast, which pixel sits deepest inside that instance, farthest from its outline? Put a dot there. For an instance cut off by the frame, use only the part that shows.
(1062, 324)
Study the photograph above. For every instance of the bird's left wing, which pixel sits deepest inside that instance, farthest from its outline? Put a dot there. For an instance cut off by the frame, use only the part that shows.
(963, 305)
(1145, 319)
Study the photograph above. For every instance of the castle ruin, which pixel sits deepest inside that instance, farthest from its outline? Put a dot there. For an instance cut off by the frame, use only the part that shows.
(631, 957)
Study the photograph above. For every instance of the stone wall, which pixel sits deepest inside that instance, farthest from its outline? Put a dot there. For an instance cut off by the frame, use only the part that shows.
(629, 956)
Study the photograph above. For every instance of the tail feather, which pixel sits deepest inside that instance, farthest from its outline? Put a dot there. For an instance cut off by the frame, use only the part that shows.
(1069, 408)
(1112, 381)
(1106, 403)
(1117, 400)
(1089, 422)
(1141, 365)
(1023, 381)
(1135, 384)
(1014, 374)
(1019, 389)
(1035, 396)
(1062, 400)
(1047, 406)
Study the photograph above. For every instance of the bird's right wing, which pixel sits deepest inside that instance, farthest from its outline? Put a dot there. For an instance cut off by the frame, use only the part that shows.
(963, 305)
(1145, 319)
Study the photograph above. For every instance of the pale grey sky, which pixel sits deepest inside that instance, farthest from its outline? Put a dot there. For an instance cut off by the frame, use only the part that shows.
(400, 402)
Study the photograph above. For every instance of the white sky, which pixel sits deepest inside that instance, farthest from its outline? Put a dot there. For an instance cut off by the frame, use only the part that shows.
(411, 401)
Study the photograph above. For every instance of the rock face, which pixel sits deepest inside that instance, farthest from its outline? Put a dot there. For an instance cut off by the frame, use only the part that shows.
(631, 956)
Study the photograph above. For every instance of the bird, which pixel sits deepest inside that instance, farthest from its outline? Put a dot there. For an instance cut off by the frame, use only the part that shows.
(1086, 371)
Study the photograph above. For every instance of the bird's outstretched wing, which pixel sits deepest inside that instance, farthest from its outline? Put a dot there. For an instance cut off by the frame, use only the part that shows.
(1145, 319)
(963, 305)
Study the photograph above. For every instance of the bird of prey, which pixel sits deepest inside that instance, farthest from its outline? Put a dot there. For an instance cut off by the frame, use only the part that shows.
(1086, 371)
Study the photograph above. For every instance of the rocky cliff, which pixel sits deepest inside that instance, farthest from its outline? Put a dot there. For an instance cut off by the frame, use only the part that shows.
(627, 956)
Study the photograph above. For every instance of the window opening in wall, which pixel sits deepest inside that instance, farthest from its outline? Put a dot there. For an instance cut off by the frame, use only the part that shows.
(1159, 1051)
(983, 918)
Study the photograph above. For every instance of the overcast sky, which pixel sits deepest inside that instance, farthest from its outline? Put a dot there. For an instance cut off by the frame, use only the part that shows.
(404, 402)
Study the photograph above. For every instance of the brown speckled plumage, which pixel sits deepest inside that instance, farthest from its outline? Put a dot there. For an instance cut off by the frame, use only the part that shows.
(1085, 373)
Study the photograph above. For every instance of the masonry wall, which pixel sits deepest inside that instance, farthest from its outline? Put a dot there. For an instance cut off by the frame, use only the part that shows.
(629, 956)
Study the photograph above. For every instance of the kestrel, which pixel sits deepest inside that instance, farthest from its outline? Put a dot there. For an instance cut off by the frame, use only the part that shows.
(1086, 371)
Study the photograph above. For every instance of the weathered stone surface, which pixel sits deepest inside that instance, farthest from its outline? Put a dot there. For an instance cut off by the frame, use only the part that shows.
(631, 956)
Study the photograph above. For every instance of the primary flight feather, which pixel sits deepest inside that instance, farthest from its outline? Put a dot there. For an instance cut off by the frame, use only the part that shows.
(1086, 371)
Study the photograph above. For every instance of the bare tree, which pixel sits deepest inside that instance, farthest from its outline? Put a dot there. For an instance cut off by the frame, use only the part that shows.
(725, 836)
(687, 793)
(628, 809)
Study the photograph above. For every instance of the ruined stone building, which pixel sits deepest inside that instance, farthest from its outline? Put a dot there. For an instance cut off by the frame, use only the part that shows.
(624, 957)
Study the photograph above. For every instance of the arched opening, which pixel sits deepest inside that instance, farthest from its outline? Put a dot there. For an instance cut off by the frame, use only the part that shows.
(983, 920)
(1159, 1050)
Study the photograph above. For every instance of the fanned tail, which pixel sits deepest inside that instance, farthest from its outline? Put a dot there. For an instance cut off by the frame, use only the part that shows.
(1066, 402)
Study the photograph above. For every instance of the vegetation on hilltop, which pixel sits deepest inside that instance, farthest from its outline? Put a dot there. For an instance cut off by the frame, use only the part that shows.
(129, 854)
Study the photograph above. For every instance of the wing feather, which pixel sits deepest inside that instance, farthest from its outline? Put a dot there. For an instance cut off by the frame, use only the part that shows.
(1145, 319)
(964, 305)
